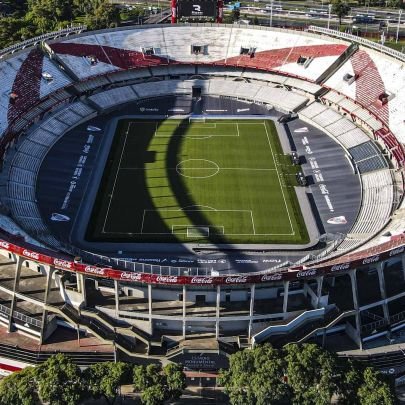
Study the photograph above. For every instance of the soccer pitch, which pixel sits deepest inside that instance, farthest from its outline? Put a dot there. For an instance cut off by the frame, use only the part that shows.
(213, 181)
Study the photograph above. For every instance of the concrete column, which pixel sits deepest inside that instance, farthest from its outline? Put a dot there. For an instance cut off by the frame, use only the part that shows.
(16, 283)
(184, 311)
(319, 283)
(150, 304)
(81, 287)
(49, 273)
(381, 282)
(353, 280)
(217, 311)
(251, 309)
(117, 297)
(285, 299)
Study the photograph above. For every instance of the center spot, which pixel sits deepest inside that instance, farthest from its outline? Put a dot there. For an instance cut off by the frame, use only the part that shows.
(197, 168)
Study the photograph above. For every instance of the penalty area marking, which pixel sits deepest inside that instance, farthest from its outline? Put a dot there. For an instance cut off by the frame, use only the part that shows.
(165, 134)
(185, 210)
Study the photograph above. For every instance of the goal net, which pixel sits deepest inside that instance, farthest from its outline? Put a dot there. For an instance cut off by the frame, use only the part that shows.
(197, 231)
(196, 119)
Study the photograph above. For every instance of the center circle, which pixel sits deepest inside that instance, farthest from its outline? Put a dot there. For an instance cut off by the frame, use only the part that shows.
(197, 168)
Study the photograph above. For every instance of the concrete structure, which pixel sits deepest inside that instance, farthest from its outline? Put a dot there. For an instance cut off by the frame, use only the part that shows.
(162, 313)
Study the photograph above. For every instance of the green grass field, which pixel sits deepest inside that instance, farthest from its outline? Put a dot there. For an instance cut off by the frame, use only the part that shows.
(218, 181)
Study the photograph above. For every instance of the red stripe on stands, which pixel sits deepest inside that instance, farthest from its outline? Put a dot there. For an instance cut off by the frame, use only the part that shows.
(369, 85)
(278, 57)
(126, 59)
(26, 85)
(10, 368)
(122, 58)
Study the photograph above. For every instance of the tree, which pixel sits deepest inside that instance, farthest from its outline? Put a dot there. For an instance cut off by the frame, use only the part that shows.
(350, 379)
(235, 14)
(105, 15)
(341, 9)
(19, 388)
(375, 390)
(153, 395)
(59, 381)
(46, 14)
(105, 379)
(157, 385)
(256, 377)
(175, 380)
(311, 373)
(10, 30)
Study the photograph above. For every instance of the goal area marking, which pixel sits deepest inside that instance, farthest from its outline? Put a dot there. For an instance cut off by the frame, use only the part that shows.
(195, 231)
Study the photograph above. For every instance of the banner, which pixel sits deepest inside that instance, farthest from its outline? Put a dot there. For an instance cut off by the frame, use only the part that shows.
(292, 274)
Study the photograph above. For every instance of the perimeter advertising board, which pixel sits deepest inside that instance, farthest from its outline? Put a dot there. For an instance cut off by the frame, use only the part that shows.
(301, 272)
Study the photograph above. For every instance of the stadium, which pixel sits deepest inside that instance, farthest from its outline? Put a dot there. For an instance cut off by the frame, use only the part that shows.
(184, 191)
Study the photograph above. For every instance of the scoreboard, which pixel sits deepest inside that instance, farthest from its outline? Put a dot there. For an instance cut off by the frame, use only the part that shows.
(196, 8)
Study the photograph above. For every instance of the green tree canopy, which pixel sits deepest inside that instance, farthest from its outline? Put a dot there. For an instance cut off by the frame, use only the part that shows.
(59, 381)
(158, 385)
(341, 8)
(10, 30)
(302, 374)
(375, 389)
(311, 372)
(256, 377)
(19, 388)
(105, 379)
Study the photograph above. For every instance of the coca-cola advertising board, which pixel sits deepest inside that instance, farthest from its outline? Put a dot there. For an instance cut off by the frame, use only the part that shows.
(298, 273)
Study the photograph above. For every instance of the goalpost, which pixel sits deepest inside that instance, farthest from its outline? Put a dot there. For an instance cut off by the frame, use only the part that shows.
(196, 119)
(198, 231)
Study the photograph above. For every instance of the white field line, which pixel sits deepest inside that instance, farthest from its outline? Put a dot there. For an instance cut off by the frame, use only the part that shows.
(116, 176)
(253, 222)
(278, 176)
(203, 168)
(198, 168)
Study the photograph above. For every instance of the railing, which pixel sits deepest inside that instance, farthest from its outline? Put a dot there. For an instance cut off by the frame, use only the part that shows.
(44, 37)
(273, 330)
(4, 310)
(362, 41)
(141, 267)
(380, 323)
(38, 357)
(20, 316)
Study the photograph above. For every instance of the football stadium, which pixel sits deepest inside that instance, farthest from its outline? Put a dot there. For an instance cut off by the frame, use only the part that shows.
(182, 191)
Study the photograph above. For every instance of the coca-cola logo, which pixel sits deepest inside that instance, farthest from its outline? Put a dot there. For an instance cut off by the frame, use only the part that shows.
(62, 263)
(272, 277)
(30, 254)
(94, 270)
(201, 280)
(127, 275)
(166, 279)
(372, 259)
(236, 280)
(306, 273)
(4, 245)
(397, 251)
(340, 267)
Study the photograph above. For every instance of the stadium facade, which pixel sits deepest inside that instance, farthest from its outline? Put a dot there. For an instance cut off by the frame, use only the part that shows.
(350, 89)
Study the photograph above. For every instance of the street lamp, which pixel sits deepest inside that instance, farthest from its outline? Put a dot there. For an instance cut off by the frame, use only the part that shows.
(271, 13)
(399, 23)
(329, 12)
